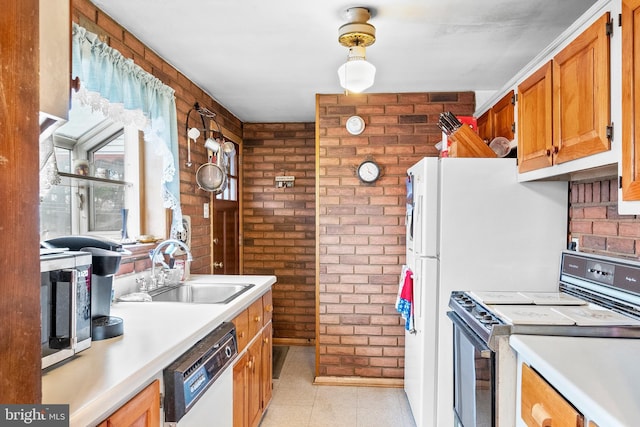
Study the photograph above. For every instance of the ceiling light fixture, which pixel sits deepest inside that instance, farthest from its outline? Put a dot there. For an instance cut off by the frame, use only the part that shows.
(356, 75)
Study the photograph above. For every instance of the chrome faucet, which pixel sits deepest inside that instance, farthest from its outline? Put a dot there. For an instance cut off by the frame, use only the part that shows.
(160, 245)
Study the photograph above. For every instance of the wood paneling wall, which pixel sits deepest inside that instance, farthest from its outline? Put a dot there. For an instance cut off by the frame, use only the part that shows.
(20, 352)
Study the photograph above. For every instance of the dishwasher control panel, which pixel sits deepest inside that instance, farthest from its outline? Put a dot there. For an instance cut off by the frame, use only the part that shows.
(189, 376)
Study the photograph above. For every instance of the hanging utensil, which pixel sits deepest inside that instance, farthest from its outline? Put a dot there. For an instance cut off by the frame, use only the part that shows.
(211, 177)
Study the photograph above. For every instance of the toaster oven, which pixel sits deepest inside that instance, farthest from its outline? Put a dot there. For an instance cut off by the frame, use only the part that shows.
(65, 303)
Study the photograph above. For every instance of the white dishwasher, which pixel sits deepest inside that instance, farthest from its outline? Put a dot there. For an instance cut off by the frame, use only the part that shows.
(199, 384)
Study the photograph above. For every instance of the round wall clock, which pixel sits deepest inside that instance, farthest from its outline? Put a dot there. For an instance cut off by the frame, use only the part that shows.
(368, 171)
(355, 125)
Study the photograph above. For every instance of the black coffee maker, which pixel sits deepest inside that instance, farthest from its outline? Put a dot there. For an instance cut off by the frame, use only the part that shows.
(106, 255)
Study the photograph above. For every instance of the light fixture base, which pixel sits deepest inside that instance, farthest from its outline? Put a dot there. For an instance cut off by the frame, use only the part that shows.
(357, 32)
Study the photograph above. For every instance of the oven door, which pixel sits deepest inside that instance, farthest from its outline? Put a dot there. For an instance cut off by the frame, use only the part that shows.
(473, 377)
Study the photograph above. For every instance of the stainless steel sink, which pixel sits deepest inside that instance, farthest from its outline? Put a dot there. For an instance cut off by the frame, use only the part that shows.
(201, 293)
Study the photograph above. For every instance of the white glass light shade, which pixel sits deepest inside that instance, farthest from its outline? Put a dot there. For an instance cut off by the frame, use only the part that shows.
(356, 75)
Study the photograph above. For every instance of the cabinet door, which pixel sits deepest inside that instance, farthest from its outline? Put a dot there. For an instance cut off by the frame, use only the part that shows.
(503, 119)
(267, 366)
(542, 405)
(581, 94)
(241, 392)
(254, 403)
(630, 99)
(141, 411)
(535, 135)
(55, 57)
(485, 126)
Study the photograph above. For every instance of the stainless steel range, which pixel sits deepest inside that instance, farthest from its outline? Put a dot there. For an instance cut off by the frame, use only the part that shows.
(597, 297)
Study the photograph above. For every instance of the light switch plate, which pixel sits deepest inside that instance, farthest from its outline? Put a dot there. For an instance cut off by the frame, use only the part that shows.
(205, 209)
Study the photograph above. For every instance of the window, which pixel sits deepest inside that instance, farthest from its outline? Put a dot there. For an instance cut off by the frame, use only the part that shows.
(106, 201)
(94, 204)
(231, 168)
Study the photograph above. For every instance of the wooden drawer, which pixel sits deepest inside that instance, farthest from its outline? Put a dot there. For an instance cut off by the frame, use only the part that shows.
(241, 323)
(543, 406)
(255, 317)
(267, 304)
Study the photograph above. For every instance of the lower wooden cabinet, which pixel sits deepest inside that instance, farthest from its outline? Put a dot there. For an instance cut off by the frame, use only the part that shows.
(252, 372)
(267, 364)
(141, 411)
(543, 406)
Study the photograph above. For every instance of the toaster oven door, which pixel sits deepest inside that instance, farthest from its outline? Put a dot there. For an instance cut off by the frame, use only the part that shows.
(57, 315)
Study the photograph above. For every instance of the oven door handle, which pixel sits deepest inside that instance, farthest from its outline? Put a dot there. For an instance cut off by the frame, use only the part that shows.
(478, 343)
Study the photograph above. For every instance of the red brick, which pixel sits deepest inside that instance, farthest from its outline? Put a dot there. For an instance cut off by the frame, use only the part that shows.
(605, 228)
(629, 229)
(621, 246)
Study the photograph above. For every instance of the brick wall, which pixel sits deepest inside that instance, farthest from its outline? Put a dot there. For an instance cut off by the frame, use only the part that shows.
(595, 221)
(279, 223)
(187, 93)
(361, 227)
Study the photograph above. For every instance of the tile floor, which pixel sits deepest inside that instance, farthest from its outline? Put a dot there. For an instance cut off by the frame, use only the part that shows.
(298, 403)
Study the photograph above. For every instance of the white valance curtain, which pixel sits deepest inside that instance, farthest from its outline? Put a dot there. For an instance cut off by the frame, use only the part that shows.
(126, 93)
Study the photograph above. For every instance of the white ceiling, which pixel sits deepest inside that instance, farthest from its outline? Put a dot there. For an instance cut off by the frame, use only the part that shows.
(265, 60)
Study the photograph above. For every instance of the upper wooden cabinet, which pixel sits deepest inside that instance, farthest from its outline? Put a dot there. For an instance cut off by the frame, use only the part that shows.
(564, 107)
(485, 126)
(55, 57)
(503, 120)
(630, 99)
(498, 120)
(535, 125)
(581, 94)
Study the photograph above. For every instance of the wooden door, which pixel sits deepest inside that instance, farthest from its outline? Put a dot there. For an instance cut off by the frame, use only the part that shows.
(630, 99)
(535, 124)
(226, 240)
(581, 94)
(503, 120)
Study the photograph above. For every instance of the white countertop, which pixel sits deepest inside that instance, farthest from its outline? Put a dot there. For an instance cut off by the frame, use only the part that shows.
(599, 376)
(105, 376)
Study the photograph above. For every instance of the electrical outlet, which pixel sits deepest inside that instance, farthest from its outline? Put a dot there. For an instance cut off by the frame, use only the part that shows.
(575, 243)
(205, 208)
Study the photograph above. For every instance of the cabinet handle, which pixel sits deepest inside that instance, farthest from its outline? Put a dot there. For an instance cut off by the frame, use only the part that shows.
(555, 150)
(241, 334)
(548, 153)
(258, 319)
(268, 308)
(540, 415)
(250, 363)
(266, 340)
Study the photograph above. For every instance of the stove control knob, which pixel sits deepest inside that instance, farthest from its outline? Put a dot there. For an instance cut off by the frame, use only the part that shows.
(487, 318)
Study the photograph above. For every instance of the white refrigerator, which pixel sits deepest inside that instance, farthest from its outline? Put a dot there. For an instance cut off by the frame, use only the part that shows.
(471, 226)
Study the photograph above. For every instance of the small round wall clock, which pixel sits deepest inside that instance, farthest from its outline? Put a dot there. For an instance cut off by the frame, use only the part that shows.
(368, 171)
(355, 125)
